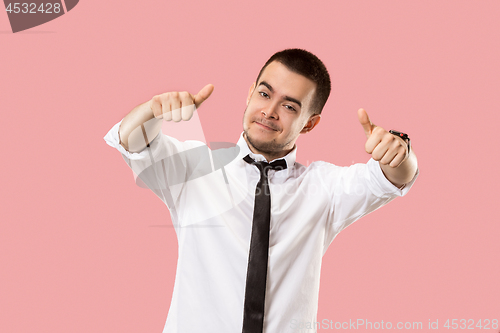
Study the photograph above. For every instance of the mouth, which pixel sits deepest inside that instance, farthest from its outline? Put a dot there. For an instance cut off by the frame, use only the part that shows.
(264, 126)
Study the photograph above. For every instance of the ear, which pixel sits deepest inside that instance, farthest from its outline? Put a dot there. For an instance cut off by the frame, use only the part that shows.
(311, 123)
(250, 91)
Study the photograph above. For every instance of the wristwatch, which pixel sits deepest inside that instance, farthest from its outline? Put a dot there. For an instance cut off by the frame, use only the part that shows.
(403, 136)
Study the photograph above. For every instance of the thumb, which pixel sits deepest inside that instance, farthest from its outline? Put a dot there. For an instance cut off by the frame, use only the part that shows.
(364, 120)
(203, 94)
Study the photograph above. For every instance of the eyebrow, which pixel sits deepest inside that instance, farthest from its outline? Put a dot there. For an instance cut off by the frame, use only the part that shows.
(288, 98)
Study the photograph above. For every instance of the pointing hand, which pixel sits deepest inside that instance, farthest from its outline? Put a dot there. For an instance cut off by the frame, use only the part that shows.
(178, 106)
(384, 147)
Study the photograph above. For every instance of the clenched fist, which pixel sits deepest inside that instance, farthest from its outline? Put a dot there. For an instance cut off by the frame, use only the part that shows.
(178, 106)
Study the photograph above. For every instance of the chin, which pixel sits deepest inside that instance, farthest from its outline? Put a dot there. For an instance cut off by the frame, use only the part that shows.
(262, 142)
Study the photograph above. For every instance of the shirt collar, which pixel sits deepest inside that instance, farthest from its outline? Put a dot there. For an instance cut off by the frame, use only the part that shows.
(245, 150)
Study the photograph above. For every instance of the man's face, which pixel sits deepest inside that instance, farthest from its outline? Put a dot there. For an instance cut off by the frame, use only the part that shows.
(278, 110)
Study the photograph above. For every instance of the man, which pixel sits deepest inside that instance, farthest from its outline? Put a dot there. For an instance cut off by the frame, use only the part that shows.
(252, 223)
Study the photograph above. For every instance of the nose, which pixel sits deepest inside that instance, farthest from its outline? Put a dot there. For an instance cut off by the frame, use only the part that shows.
(270, 111)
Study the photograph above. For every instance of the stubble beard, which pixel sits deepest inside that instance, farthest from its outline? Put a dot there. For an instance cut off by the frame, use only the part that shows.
(270, 148)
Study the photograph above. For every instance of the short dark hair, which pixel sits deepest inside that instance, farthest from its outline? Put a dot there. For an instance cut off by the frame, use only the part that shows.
(307, 64)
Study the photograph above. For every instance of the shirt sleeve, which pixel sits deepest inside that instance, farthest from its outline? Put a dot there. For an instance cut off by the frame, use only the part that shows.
(356, 191)
(164, 166)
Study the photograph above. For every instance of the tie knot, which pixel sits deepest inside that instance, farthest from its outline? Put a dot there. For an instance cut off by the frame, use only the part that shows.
(264, 166)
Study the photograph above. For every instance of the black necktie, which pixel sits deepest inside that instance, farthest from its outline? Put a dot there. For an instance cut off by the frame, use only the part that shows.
(255, 290)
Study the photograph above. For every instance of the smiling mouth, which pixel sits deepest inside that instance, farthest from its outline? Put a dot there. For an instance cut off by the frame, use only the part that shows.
(265, 127)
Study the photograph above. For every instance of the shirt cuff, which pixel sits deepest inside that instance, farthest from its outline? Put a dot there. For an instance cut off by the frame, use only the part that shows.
(112, 139)
(385, 184)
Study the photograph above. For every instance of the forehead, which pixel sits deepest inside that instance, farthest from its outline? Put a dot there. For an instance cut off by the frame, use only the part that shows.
(287, 83)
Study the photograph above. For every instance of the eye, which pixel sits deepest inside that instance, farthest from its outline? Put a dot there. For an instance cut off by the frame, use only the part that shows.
(263, 94)
(289, 107)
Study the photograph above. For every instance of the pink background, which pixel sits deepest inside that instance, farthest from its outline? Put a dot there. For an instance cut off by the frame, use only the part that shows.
(83, 249)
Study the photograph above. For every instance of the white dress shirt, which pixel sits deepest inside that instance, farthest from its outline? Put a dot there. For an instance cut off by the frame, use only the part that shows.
(210, 196)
